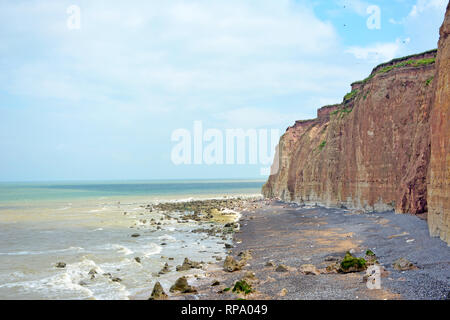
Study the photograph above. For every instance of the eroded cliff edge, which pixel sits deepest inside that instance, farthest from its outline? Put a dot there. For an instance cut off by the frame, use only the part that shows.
(384, 147)
(439, 178)
(370, 152)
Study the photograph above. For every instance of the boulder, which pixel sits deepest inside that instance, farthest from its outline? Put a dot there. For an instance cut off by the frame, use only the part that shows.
(309, 269)
(333, 267)
(165, 269)
(242, 287)
(403, 264)
(245, 255)
(182, 286)
(352, 264)
(231, 264)
(282, 268)
(249, 277)
(270, 263)
(189, 264)
(158, 293)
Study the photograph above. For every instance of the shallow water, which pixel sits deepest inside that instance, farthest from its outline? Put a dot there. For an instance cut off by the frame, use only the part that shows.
(91, 232)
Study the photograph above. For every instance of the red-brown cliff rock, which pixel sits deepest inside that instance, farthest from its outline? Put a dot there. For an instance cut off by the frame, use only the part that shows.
(370, 152)
(385, 147)
(439, 178)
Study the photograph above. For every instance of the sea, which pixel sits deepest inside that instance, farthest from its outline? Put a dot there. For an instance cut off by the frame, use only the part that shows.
(89, 226)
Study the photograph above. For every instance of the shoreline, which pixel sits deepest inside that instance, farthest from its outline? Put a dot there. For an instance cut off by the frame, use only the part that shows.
(278, 234)
(261, 236)
(217, 219)
(112, 253)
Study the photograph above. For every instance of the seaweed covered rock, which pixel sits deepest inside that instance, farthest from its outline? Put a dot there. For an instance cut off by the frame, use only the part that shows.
(351, 263)
(189, 264)
(309, 269)
(403, 264)
(250, 277)
(270, 263)
(158, 292)
(242, 286)
(245, 256)
(165, 269)
(182, 286)
(333, 267)
(371, 258)
(231, 264)
(282, 268)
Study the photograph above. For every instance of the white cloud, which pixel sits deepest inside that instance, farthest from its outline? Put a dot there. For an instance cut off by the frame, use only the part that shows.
(178, 53)
(424, 5)
(423, 22)
(136, 71)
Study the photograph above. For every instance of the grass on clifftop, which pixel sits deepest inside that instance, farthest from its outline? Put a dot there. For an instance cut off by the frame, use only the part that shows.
(412, 63)
(351, 95)
(408, 63)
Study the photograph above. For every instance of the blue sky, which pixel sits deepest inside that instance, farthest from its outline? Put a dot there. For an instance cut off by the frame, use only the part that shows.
(102, 101)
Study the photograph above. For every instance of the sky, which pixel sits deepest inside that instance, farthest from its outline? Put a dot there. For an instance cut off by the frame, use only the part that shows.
(100, 97)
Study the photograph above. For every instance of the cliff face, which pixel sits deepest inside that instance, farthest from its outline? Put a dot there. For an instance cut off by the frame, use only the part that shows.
(439, 178)
(370, 152)
(385, 147)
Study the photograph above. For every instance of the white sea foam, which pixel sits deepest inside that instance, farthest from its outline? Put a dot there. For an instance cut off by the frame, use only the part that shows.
(151, 249)
(66, 281)
(205, 198)
(98, 210)
(25, 253)
(167, 237)
(122, 249)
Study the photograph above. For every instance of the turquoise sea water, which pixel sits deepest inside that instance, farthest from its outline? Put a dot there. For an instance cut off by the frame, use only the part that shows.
(66, 191)
(88, 226)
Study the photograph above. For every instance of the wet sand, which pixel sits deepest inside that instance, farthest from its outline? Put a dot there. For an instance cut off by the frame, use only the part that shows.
(293, 236)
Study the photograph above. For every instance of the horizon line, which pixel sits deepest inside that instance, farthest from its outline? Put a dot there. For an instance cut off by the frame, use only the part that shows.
(134, 180)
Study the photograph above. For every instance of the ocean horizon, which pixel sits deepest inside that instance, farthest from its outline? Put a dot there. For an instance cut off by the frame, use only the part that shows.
(36, 191)
(89, 226)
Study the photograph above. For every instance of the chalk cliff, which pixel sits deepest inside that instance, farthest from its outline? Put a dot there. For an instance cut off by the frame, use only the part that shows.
(384, 147)
(439, 178)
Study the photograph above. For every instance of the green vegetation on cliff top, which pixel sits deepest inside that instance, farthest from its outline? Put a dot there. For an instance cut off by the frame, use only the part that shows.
(408, 61)
(351, 95)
